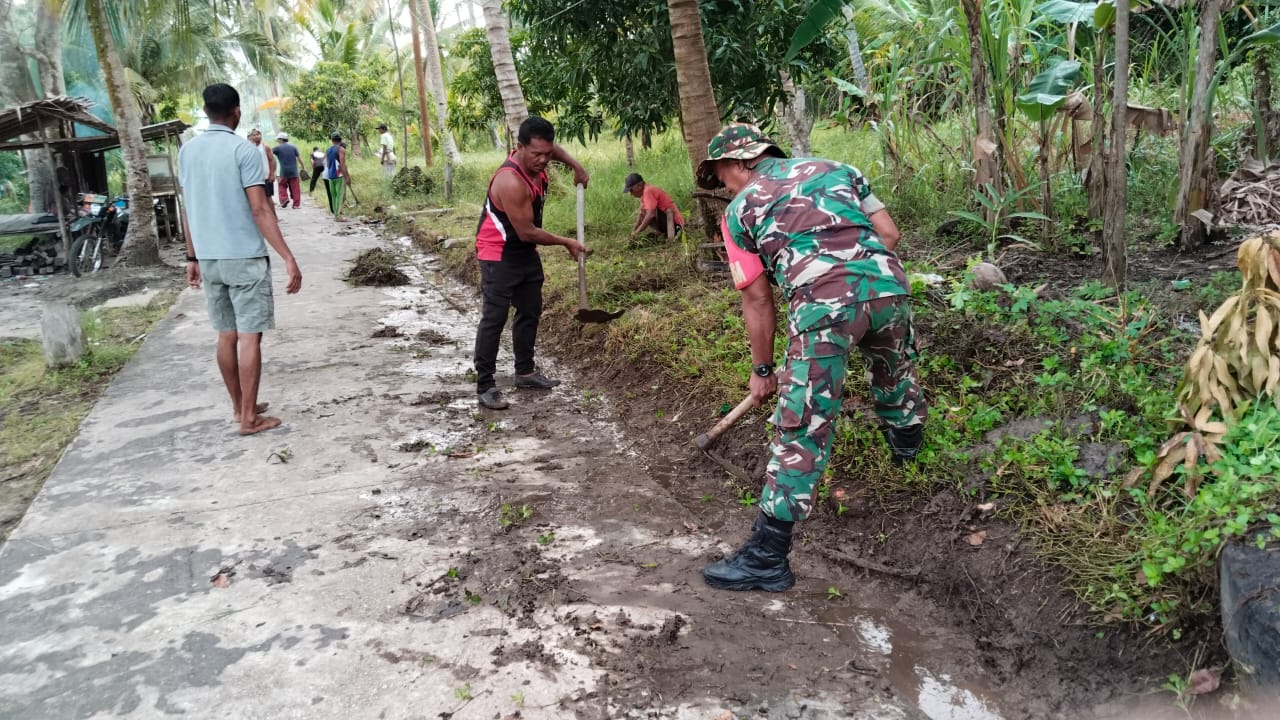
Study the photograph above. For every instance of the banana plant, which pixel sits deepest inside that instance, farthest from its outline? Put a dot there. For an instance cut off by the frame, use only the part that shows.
(1044, 96)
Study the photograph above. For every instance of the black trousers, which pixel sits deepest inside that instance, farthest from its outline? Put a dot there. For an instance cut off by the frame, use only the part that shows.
(316, 172)
(326, 193)
(505, 284)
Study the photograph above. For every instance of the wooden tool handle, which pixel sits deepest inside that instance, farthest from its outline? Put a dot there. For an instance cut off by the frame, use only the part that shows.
(709, 438)
(582, 258)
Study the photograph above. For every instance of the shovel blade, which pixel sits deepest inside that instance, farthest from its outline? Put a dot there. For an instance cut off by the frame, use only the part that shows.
(586, 315)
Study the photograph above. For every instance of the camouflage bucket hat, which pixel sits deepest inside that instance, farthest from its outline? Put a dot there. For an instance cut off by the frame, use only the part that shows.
(737, 141)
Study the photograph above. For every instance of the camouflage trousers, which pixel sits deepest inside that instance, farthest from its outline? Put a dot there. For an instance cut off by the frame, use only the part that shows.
(809, 393)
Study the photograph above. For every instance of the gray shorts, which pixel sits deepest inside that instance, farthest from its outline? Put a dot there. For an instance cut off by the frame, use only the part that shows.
(239, 294)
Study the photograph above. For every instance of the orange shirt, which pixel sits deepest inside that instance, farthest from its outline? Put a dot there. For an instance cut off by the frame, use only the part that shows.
(656, 199)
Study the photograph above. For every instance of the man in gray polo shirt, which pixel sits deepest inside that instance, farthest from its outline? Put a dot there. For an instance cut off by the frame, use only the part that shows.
(228, 216)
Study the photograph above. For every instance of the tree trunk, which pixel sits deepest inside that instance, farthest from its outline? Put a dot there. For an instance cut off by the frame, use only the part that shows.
(504, 67)
(630, 147)
(986, 151)
(855, 52)
(141, 245)
(16, 88)
(435, 75)
(424, 120)
(699, 114)
(49, 46)
(1263, 112)
(1194, 157)
(796, 117)
(404, 120)
(1114, 260)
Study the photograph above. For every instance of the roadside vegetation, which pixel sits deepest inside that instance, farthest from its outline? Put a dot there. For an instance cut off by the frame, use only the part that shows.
(41, 408)
(1086, 377)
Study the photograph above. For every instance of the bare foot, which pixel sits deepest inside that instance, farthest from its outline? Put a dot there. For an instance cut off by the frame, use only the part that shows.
(261, 423)
(257, 409)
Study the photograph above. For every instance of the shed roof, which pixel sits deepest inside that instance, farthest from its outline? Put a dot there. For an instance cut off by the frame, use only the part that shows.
(30, 118)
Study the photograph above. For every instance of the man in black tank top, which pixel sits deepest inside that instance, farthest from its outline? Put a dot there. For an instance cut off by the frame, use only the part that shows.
(507, 237)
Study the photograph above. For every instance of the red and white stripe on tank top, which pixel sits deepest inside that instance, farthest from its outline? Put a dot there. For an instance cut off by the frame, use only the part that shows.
(496, 237)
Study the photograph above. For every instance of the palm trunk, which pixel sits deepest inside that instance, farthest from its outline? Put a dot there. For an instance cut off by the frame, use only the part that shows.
(1194, 157)
(699, 114)
(141, 245)
(1114, 260)
(986, 151)
(855, 52)
(424, 120)
(504, 67)
(796, 117)
(435, 75)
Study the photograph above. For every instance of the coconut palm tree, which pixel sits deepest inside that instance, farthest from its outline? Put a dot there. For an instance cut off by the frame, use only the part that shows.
(504, 66)
(141, 244)
(699, 114)
(435, 74)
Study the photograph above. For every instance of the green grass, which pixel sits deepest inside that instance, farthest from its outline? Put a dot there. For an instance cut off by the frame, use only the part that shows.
(992, 358)
(41, 409)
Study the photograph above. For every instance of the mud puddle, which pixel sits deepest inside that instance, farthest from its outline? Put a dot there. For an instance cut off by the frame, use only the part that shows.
(591, 546)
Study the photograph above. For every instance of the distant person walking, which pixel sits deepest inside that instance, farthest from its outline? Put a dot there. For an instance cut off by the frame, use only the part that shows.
(317, 168)
(387, 155)
(267, 159)
(228, 216)
(288, 159)
(335, 175)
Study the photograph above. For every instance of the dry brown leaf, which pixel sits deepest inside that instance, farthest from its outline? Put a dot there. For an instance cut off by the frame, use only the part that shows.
(1203, 681)
(976, 539)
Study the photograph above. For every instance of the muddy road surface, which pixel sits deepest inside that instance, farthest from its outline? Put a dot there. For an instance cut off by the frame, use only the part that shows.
(395, 552)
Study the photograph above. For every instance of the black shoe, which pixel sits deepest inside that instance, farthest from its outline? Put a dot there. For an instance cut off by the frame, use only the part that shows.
(492, 399)
(904, 443)
(536, 380)
(760, 564)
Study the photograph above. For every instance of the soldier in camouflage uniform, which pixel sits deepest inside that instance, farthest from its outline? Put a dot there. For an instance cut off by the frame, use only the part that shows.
(813, 228)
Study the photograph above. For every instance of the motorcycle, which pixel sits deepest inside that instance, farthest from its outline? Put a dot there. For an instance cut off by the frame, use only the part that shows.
(96, 234)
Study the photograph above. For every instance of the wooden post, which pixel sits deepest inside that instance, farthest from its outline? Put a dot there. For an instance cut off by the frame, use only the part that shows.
(63, 229)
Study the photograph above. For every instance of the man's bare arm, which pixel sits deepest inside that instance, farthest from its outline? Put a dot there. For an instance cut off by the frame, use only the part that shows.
(885, 228)
(562, 156)
(513, 198)
(761, 316)
(264, 217)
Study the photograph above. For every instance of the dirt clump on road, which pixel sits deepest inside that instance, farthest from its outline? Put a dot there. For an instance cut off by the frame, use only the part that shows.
(377, 267)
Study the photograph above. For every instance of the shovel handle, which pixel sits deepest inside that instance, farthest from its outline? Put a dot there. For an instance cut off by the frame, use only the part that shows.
(582, 258)
(708, 439)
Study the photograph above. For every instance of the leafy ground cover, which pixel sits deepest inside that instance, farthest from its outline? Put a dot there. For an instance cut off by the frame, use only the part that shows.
(1043, 393)
(41, 409)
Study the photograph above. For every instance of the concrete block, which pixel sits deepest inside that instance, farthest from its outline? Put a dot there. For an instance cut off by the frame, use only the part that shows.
(62, 334)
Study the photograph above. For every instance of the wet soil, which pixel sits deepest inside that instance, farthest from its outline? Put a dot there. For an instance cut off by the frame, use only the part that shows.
(893, 604)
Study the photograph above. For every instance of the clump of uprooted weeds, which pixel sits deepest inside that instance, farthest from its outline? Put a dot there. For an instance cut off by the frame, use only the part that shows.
(376, 267)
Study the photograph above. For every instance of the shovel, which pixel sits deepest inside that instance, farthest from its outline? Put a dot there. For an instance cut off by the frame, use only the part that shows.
(585, 314)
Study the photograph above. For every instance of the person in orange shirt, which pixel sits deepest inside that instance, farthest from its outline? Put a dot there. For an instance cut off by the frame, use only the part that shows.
(658, 214)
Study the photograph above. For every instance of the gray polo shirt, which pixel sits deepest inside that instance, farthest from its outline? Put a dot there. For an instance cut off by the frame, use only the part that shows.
(214, 169)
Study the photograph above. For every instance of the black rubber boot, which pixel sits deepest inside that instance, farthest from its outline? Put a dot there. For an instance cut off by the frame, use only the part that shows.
(760, 564)
(904, 443)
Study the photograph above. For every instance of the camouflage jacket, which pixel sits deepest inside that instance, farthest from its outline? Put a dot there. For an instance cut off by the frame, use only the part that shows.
(806, 219)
